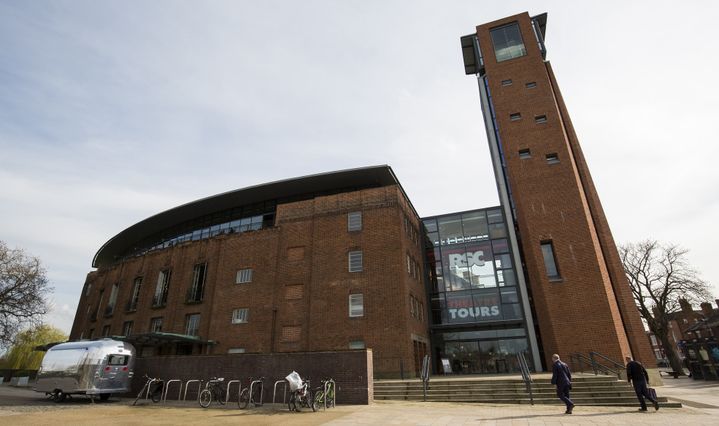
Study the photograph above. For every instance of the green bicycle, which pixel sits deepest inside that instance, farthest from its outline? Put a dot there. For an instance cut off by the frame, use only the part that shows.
(324, 395)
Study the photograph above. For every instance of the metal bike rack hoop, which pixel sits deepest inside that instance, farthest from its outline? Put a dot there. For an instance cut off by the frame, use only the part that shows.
(227, 394)
(167, 389)
(187, 387)
(284, 391)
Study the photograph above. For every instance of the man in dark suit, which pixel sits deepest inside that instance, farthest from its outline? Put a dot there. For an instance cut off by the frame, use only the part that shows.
(562, 377)
(638, 377)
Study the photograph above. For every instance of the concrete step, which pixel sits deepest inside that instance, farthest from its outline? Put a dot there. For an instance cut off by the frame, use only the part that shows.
(599, 390)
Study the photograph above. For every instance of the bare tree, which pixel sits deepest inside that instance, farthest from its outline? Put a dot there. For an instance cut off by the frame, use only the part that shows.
(659, 276)
(23, 292)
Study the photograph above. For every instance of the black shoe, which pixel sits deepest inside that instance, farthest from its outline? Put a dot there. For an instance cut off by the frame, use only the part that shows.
(569, 410)
(656, 405)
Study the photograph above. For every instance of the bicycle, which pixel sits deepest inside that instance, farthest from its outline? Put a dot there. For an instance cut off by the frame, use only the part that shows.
(322, 399)
(213, 390)
(250, 394)
(154, 387)
(301, 397)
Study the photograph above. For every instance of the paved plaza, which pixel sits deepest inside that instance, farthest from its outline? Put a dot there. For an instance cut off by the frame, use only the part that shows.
(700, 400)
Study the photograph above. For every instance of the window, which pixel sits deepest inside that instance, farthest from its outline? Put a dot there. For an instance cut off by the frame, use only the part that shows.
(354, 221)
(540, 119)
(355, 261)
(135, 296)
(244, 276)
(515, 116)
(550, 262)
(197, 287)
(531, 85)
(525, 154)
(161, 288)
(507, 82)
(127, 328)
(357, 344)
(156, 325)
(236, 351)
(192, 324)
(291, 333)
(356, 305)
(240, 315)
(552, 158)
(88, 287)
(507, 41)
(106, 331)
(113, 299)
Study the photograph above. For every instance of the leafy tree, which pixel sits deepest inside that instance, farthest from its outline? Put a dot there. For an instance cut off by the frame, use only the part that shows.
(660, 275)
(23, 291)
(22, 355)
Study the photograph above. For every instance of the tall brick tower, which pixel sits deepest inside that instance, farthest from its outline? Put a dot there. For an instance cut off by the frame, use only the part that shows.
(579, 293)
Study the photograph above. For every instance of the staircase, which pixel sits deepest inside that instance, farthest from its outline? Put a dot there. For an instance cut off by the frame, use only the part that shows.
(587, 390)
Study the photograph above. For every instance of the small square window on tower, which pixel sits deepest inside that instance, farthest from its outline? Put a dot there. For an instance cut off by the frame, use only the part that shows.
(507, 82)
(531, 85)
(525, 154)
(552, 158)
(354, 221)
(540, 118)
(515, 116)
(355, 261)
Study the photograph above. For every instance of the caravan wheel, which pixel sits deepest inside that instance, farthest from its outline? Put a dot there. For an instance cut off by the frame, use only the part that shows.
(58, 395)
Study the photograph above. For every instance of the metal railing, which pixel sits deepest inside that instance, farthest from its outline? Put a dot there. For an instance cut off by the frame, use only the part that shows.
(526, 375)
(425, 375)
(613, 367)
(596, 363)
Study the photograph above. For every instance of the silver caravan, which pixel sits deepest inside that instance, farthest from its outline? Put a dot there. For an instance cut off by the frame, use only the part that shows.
(95, 368)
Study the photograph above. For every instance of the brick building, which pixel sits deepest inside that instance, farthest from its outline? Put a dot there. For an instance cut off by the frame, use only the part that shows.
(342, 260)
(325, 262)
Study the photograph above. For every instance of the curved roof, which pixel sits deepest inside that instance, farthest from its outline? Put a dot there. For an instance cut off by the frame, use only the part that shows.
(287, 190)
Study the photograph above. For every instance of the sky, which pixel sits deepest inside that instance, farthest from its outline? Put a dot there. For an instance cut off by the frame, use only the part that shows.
(113, 111)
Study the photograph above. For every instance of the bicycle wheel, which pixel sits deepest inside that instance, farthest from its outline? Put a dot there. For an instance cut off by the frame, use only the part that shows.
(244, 399)
(205, 398)
(311, 401)
(156, 395)
(292, 403)
(317, 403)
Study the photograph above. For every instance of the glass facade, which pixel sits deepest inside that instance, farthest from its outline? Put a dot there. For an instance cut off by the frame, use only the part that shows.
(508, 42)
(477, 318)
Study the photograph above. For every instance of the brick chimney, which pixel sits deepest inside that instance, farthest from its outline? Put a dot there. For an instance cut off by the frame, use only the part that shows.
(706, 308)
(686, 306)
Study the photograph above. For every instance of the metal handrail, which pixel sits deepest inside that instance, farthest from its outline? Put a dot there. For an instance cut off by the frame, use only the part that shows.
(425, 375)
(526, 375)
(617, 366)
(167, 389)
(227, 393)
(284, 391)
(580, 358)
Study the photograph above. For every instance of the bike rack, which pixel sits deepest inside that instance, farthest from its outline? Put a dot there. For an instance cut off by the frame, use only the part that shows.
(334, 394)
(187, 387)
(149, 385)
(262, 392)
(167, 389)
(284, 391)
(227, 398)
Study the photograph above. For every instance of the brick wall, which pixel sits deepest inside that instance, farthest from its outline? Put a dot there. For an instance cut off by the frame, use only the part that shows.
(351, 370)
